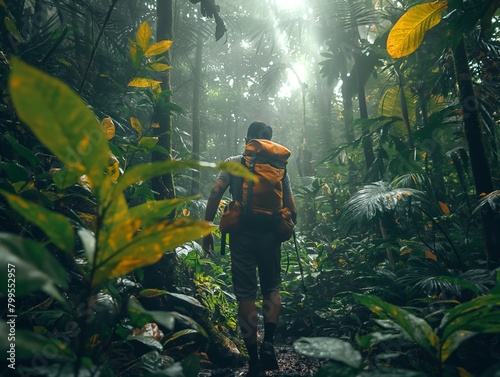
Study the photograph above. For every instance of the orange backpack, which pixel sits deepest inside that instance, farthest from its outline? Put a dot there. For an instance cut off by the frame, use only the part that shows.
(259, 205)
(267, 160)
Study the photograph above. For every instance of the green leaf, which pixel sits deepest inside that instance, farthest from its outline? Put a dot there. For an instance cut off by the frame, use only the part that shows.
(29, 345)
(145, 172)
(60, 120)
(22, 151)
(337, 370)
(65, 177)
(237, 169)
(154, 210)
(15, 171)
(409, 31)
(160, 67)
(142, 248)
(140, 316)
(147, 142)
(56, 226)
(12, 29)
(187, 301)
(34, 267)
(329, 348)
(413, 327)
(453, 342)
(480, 315)
(191, 365)
(148, 293)
(148, 341)
(183, 336)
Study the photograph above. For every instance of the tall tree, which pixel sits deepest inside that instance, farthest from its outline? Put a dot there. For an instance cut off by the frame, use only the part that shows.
(197, 86)
(164, 185)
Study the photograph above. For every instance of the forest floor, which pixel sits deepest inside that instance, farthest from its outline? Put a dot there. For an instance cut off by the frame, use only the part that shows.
(291, 363)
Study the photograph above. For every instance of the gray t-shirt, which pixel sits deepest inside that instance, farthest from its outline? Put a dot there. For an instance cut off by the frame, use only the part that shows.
(232, 181)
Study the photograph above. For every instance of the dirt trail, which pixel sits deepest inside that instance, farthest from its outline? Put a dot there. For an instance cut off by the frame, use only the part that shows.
(291, 364)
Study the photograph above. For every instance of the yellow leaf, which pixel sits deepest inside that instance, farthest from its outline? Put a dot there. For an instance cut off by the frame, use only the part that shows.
(185, 212)
(136, 125)
(409, 31)
(390, 106)
(140, 82)
(430, 255)
(143, 36)
(113, 167)
(156, 125)
(160, 67)
(405, 251)
(444, 208)
(158, 48)
(108, 127)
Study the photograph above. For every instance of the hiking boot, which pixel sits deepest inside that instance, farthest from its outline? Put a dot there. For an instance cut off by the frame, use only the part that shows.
(268, 356)
(256, 370)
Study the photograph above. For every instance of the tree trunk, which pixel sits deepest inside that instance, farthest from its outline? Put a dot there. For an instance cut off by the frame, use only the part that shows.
(163, 185)
(195, 185)
(349, 132)
(479, 162)
(363, 114)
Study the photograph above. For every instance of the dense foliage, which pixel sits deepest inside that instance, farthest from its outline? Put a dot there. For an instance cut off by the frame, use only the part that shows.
(391, 113)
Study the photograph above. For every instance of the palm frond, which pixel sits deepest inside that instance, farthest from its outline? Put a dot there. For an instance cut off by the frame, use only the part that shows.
(490, 201)
(273, 78)
(432, 278)
(376, 200)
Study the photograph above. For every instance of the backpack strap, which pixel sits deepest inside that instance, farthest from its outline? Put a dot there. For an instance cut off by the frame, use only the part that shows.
(250, 185)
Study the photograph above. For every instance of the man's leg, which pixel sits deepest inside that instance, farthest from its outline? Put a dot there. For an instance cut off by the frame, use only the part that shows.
(271, 312)
(247, 318)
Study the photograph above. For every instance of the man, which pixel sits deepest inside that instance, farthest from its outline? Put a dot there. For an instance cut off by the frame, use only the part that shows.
(253, 249)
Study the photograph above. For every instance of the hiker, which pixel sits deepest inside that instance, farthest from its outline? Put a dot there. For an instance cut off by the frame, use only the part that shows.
(255, 246)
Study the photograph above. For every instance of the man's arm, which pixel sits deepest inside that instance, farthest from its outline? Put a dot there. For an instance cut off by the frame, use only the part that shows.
(289, 202)
(214, 199)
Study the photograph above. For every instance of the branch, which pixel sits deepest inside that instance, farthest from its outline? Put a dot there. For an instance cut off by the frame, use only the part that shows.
(96, 44)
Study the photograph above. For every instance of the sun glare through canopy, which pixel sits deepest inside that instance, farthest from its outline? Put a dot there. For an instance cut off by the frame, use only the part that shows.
(289, 4)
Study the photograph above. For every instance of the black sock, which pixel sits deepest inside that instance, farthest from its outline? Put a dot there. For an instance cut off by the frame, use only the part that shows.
(269, 329)
(253, 353)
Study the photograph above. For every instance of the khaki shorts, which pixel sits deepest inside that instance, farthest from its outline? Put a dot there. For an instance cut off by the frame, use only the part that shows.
(251, 252)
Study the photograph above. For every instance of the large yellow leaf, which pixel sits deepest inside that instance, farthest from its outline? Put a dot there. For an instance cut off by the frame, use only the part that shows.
(409, 31)
(61, 121)
(143, 36)
(390, 106)
(158, 48)
(146, 247)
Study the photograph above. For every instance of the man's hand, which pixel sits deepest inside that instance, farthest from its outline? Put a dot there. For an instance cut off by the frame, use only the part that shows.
(208, 243)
